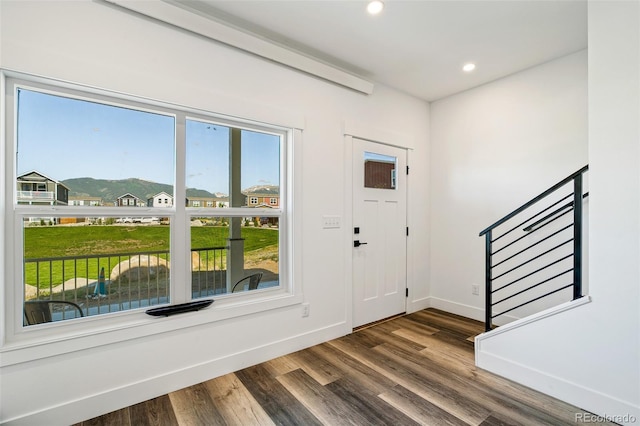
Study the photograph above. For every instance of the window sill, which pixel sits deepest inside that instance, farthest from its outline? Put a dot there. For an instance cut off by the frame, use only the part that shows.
(87, 333)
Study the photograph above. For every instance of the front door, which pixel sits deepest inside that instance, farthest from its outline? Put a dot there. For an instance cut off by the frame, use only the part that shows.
(379, 234)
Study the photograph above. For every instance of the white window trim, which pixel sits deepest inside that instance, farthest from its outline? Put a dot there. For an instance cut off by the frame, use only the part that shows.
(20, 344)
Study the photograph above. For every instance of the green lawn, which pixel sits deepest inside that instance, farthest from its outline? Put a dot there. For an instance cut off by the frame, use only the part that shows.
(82, 241)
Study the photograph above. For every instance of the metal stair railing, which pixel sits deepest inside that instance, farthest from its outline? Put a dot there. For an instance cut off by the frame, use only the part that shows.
(539, 256)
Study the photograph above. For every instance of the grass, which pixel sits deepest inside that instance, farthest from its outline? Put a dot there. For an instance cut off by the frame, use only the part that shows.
(69, 241)
(82, 241)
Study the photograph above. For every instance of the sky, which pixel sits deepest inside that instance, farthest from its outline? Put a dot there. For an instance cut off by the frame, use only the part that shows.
(65, 138)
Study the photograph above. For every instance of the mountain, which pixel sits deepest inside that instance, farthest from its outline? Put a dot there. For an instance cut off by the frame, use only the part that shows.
(110, 190)
(262, 189)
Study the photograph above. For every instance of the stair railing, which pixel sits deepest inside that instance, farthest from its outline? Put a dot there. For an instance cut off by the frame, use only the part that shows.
(540, 257)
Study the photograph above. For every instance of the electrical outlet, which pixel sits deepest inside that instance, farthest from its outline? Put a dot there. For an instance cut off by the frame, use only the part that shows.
(475, 289)
(305, 310)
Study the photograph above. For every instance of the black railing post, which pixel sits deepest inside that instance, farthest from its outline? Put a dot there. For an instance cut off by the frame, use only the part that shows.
(487, 281)
(577, 237)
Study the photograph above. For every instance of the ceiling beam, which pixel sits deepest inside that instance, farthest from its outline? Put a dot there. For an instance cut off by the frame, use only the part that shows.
(214, 30)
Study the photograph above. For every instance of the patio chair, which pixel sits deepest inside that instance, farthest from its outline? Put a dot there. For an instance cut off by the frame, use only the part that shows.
(39, 311)
(252, 280)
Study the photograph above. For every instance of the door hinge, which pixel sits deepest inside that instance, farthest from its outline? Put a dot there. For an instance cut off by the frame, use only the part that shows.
(406, 292)
(407, 169)
(407, 231)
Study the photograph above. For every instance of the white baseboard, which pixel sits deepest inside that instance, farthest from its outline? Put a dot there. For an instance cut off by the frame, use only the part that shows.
(467, 311)
(606, 406)
(418, 305)
(600, 404)
(521, 322)
(131, 393)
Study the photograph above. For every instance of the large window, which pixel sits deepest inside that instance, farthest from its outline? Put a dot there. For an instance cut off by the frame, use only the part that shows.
(127, 252)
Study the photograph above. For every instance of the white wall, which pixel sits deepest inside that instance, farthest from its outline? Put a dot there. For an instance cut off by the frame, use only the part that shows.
(494, 148)
(99, 45)
(590, 356)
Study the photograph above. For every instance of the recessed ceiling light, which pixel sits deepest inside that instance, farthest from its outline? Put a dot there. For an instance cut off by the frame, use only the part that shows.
(374, 7)
(469, 67)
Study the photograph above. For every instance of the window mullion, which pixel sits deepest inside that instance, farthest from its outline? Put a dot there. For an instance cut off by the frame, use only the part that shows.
(180, 229)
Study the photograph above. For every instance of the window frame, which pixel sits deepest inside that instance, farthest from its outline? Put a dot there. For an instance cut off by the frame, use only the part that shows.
(119, 326)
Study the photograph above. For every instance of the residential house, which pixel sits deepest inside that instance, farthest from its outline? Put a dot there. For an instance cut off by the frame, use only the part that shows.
(474, 154)
(36, 188)
(161, 199)
(262, 196)
(85, 201)
(379, 174)
(203, 202)
(130, 200)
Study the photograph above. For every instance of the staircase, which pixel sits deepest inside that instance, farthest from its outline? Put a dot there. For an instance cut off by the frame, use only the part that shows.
(534, 255)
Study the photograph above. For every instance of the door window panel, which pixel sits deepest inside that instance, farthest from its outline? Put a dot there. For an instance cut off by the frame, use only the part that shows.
(379, 171)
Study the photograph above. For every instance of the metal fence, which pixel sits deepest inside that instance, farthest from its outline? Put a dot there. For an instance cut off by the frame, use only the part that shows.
(117, 282)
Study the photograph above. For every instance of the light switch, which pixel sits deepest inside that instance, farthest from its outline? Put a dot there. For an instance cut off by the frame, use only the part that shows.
(329, 222)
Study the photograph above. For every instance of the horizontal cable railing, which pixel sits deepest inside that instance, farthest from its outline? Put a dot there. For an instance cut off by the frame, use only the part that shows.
(541, 255)
(120, 281)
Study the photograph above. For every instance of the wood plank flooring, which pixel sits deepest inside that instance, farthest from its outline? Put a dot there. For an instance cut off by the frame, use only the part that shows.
(416, 369)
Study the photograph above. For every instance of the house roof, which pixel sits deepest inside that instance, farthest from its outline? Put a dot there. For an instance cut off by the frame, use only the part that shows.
(162, 193)
(129, 195)
(35, 176)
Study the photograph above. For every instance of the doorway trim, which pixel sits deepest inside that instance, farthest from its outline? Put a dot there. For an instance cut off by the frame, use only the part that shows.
(384, 137)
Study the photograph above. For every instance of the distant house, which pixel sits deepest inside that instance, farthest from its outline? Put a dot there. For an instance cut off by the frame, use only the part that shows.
(223, 202)
(85, 201)
(161, 199)
(262, 196)
(129, 200)
(203, 202)
(267, 196)
(379, 174)
(81, 201)
(36, 188)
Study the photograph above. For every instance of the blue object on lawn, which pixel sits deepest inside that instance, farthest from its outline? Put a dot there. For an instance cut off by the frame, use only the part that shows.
(100, 290)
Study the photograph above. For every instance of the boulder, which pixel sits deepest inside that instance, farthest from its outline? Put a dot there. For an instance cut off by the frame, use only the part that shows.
(140, 268)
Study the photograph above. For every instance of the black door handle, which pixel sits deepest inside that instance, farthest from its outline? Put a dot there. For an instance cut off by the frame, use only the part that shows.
(357, 243)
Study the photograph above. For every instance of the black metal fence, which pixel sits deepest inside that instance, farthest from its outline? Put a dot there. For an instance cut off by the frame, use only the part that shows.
(121, 281)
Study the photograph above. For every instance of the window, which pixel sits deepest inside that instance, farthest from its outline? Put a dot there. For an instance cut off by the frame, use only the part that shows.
(253, 200)
(379, 171)
(225, 250)
(273, 201)
(84, 144)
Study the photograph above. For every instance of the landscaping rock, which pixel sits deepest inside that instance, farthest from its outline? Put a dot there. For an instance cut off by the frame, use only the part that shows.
(139, 268)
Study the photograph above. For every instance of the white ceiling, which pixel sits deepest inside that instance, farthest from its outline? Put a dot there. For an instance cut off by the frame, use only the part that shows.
(416, 46)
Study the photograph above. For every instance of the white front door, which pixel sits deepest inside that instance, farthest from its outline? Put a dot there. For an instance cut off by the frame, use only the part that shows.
(379, 233)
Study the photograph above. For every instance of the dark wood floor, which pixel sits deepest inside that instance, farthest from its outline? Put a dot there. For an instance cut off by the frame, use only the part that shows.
(413, 370)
